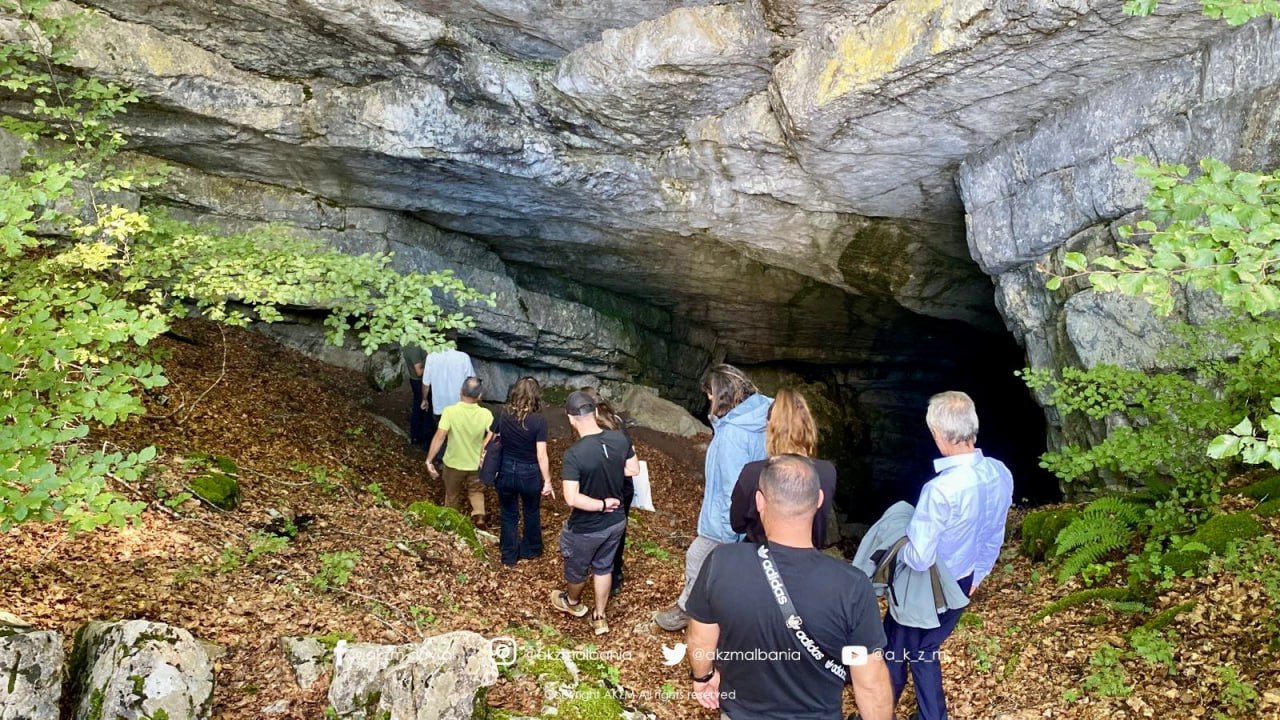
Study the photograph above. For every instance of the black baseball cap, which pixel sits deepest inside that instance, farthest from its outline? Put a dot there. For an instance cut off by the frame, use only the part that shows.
(580, 403)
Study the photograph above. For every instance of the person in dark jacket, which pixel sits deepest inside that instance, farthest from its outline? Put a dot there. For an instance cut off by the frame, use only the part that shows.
(525, 477)
(790, 430)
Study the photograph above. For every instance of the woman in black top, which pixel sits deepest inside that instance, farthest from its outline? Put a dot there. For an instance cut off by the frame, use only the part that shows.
(526, 472)
(790, 430)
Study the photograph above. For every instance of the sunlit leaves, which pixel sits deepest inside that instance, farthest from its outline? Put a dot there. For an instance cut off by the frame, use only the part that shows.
(86, 286)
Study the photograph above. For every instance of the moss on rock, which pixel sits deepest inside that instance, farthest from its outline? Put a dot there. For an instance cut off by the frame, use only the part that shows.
(1183, 562)
(446, 520)
(1268, 489)
(1040, 530)
(1270, 508)
(591, 704)
(218, 489)
(1222, 530)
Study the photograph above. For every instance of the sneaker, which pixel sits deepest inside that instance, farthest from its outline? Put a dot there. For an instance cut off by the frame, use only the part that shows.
(599, 625)
(560, 601)
(672, 619)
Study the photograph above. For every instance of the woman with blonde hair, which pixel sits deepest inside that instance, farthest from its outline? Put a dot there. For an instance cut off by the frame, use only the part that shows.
(524, 462)
(790, 430)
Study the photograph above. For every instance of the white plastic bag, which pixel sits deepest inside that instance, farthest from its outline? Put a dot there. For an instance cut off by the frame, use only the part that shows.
(643, 499)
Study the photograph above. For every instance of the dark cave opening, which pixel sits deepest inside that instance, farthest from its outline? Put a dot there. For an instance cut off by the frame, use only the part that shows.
(872, 415)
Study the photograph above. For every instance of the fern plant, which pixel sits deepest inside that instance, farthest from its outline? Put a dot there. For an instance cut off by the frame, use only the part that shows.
(1105, 526)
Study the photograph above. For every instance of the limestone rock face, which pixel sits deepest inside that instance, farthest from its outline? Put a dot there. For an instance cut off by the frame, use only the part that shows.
(137, 669)
(780, 174)
(31, 665)
(437, 678)
(1058, 188)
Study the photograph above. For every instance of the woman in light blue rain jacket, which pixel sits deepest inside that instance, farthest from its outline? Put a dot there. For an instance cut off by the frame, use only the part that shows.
(739, 413)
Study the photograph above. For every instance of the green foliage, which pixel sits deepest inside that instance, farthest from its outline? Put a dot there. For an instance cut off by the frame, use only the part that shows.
(446, 520)
(86, 285)
(1107, 677)
(335, 570)
(379, 497)
(219, 490)
(1239, 696)
(653, 550)
(1154, 648)
(1105, 526)
(1040, 530)
(1235, 12)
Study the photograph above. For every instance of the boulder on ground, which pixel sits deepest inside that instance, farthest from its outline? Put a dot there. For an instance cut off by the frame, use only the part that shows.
(139, 669)
(30, 671)
(438, 678)
(647, 408)
(308, 657)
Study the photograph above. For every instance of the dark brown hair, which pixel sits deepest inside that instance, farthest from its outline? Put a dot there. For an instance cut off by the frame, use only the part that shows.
(524, 399)
(728, 387)
(605, 416)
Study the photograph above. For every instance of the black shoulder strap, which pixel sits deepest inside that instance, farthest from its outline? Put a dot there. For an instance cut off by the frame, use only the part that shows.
(793, 620)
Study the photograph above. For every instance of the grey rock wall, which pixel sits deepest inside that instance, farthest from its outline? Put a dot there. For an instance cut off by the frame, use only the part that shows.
(1057, 188)
(778, 172)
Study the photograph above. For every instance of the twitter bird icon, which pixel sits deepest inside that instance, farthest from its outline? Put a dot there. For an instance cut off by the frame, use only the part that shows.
(673, 656)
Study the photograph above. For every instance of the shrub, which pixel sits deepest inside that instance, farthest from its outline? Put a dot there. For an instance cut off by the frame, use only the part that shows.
(88, 284)
(1104, 526)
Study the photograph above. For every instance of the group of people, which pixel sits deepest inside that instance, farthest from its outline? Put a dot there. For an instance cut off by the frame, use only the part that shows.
(774, 626)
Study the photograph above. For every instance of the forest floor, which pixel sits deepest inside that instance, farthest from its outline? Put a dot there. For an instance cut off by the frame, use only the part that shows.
(307, 447)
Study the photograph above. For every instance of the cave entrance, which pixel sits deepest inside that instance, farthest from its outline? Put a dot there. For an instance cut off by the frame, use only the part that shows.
(872, 414)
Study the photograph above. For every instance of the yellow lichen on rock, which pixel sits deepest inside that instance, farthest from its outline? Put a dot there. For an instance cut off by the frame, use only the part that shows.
(872, 50)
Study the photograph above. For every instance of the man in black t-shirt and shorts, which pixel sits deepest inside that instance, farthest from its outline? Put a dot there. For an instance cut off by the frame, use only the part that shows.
(593, 473)
(783, 644)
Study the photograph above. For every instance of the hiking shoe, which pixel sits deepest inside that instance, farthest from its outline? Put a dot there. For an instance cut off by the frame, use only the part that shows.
(477, 521)
(599, 625)
(560, 601)
(672, 619)
(615, 589)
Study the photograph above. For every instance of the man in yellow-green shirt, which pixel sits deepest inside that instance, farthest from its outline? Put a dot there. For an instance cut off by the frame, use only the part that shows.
(466, 425)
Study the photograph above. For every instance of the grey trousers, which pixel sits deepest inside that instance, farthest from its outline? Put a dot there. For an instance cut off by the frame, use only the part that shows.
(697, 554)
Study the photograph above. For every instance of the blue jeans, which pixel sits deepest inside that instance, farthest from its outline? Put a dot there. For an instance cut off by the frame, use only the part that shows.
(918, 649)
(519, 487)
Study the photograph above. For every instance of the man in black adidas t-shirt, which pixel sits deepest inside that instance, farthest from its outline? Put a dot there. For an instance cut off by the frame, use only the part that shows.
(761, 668)
(593, 472)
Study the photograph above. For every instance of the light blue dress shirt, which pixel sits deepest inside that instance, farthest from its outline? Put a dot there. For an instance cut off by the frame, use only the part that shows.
(960, 518)
(445, 371)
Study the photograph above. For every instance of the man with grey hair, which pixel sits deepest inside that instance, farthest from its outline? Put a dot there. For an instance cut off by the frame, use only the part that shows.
(959, 521)
(777, 629)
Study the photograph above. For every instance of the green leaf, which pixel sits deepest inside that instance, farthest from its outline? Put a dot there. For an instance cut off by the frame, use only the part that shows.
(1224, 446)
(1244, 428)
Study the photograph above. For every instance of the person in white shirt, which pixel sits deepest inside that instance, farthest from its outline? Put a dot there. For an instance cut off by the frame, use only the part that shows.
(443, 374)
(959, 521)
